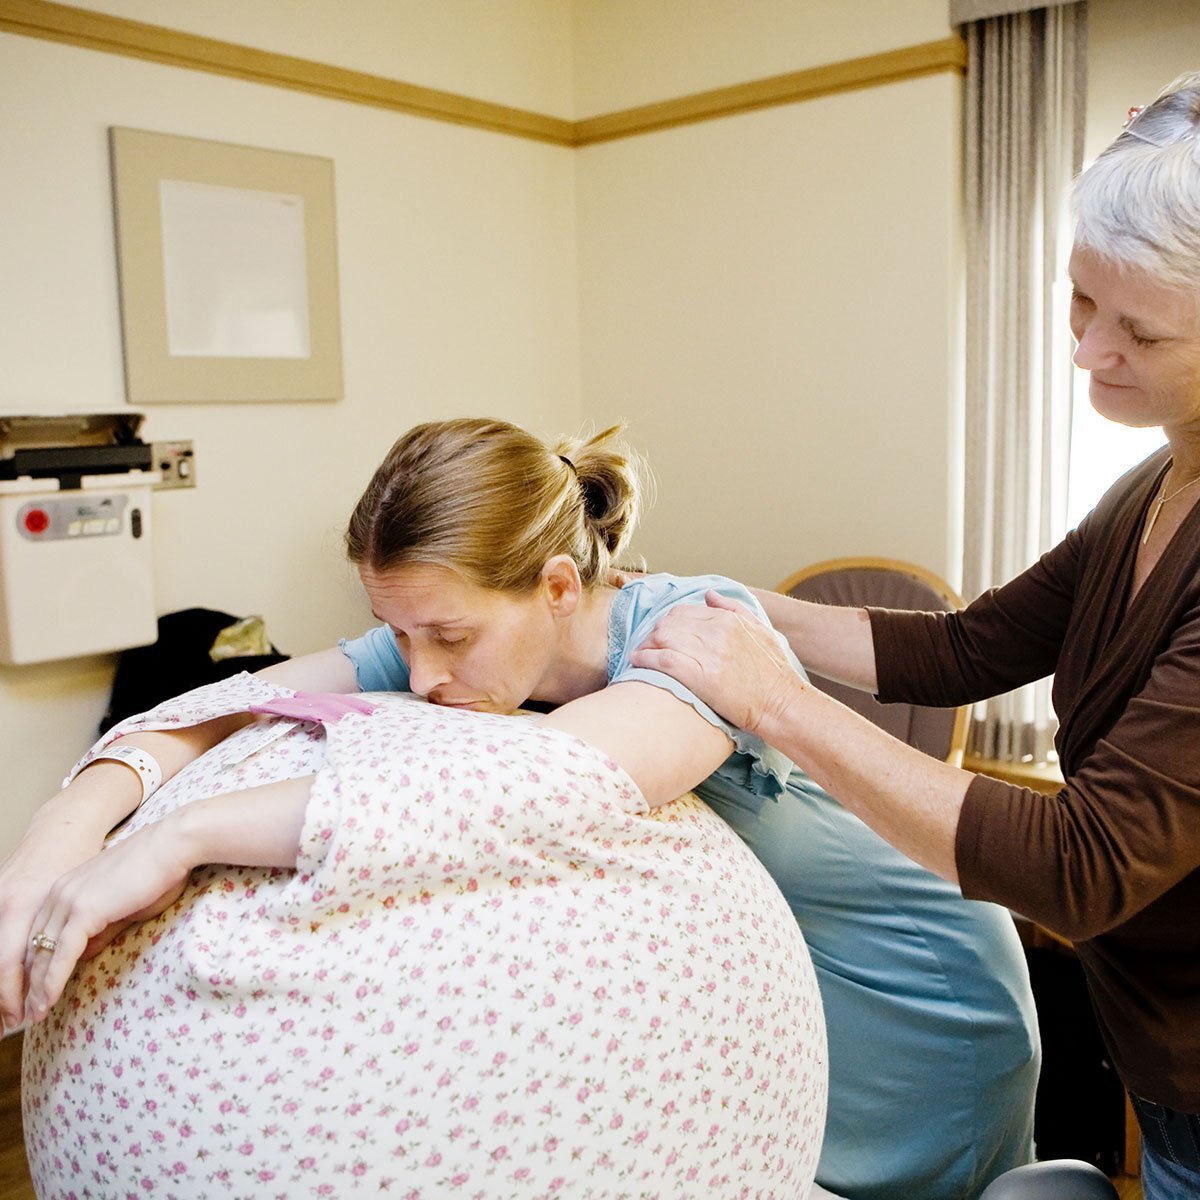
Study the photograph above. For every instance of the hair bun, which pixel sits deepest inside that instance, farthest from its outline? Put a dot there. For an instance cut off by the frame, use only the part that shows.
(489, 500)
(611, 481)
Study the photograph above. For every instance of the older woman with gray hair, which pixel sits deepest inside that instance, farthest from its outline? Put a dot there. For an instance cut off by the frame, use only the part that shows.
(1113, 860)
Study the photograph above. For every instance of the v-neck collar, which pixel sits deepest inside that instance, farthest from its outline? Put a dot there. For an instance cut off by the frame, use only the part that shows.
(1124, 633)
(1129, 604)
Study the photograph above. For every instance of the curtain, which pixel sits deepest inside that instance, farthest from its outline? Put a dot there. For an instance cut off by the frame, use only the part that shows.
(963, 11)
(1024, 115)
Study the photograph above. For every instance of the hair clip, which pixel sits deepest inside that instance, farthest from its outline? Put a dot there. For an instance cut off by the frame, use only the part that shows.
(1149, 129)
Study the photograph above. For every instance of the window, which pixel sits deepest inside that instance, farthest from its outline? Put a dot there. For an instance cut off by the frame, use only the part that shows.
(1101, 452)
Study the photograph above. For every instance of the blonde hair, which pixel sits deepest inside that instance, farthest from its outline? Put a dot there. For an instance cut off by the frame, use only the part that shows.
(494, 503)
(1138, 204)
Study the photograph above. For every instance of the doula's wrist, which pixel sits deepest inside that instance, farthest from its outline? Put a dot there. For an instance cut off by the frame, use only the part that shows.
(781, 709)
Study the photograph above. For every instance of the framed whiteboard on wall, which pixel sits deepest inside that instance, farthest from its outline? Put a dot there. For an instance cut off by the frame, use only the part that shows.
(227, 258)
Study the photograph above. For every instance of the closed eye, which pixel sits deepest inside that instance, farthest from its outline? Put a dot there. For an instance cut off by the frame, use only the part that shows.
(441, 636)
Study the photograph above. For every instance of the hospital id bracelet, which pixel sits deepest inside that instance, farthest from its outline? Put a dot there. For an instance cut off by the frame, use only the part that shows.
(149, 773)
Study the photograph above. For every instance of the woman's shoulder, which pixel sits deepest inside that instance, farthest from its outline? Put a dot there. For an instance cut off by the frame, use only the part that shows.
(645, 598)
(647, 592)
(375, 656)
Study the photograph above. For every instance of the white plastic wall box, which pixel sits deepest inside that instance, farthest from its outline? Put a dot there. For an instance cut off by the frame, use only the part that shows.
(76, 567)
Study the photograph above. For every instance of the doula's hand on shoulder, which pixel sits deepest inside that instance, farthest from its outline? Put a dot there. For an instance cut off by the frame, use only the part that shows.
(728, 657)
(48, 851)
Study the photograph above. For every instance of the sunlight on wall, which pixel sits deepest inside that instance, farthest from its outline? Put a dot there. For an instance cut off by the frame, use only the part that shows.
(1134, 50)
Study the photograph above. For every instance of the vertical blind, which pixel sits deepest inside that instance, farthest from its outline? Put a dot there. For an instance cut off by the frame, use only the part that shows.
(1026, 92)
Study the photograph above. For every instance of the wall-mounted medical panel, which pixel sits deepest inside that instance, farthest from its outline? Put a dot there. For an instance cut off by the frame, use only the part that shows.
(76, 573)
(76, 567)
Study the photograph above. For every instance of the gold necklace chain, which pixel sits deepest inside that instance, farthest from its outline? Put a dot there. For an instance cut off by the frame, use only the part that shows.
(1163, 498)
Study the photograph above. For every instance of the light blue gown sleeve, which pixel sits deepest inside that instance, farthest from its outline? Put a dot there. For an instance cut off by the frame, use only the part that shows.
(378, 666)
(640, 605)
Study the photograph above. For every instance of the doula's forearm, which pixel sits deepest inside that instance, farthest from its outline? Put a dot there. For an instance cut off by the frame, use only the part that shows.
(257, 827)
(831, 640)
(104, 793)
(909, 799)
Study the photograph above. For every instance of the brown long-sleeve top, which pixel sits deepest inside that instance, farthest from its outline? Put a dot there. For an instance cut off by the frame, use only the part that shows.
(1113, 861)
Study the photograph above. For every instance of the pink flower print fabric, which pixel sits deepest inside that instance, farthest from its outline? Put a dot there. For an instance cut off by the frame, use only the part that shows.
(493, 974)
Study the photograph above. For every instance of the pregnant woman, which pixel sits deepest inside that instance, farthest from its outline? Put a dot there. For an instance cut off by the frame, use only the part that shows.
(444, 950)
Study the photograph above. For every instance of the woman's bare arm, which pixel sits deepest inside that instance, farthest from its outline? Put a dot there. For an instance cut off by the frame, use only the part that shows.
(662, 743)
(71, 826)
(324, 671)
(139, 877)
(735, 664)
(829, 639)
(105, 793)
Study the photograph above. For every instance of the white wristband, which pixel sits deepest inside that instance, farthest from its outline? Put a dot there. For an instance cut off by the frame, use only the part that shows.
(149, 773)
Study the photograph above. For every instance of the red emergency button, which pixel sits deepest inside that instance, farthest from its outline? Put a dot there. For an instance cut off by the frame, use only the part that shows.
(37, 520)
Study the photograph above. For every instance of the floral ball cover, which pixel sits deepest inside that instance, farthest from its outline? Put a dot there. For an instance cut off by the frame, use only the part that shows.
(493, 974)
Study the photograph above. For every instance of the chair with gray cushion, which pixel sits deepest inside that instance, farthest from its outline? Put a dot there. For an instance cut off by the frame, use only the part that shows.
(887, 583)
(1061, 1179)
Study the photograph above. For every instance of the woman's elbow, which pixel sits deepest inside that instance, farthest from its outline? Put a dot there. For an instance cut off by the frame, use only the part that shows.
(1084, 913)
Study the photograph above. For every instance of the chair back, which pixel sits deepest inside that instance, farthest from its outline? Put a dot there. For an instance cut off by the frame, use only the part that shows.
(887, 583)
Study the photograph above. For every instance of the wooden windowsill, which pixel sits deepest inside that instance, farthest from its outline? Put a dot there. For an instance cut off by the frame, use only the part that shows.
(1044, 778)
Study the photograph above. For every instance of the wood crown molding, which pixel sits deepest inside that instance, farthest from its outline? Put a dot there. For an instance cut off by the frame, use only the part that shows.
(155, 43)
(910, 62)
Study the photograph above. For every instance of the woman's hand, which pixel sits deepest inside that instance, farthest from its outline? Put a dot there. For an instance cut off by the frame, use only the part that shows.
(49, 850)
(139, 877)
(88, 906)
(69, 830)
(729, 658)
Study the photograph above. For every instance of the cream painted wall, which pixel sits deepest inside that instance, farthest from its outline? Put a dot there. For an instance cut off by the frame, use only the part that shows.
(514, 52)
(1134, 51)
(631, 52)
(771, 300)
(458, 283)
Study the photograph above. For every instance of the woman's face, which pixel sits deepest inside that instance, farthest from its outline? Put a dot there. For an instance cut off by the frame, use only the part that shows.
(465, 646)
(1140, 342)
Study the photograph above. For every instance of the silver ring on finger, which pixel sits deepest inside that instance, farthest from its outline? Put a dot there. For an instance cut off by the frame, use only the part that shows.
(43, 941)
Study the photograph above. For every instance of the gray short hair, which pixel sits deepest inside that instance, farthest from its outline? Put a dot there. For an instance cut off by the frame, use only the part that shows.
(1138, 204)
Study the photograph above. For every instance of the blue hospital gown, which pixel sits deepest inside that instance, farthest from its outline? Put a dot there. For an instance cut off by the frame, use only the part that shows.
(933, 1046)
